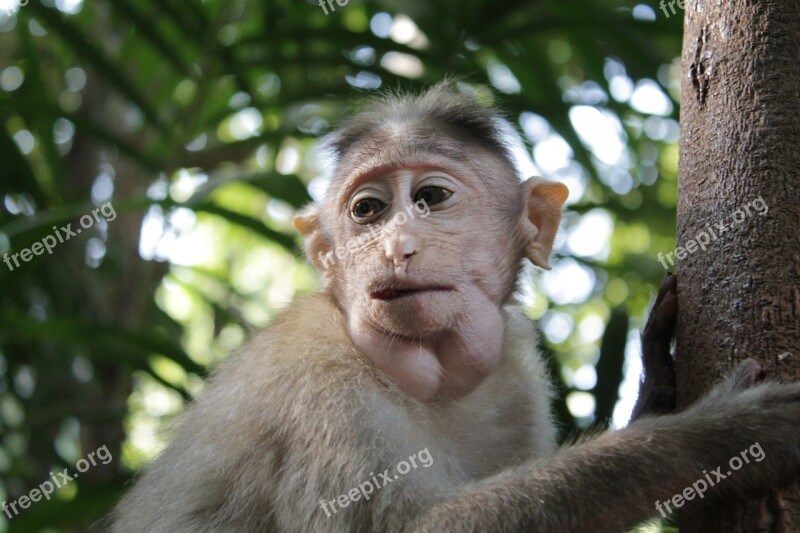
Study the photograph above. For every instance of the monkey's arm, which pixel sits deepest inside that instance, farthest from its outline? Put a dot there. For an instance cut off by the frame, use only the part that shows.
(613, 482)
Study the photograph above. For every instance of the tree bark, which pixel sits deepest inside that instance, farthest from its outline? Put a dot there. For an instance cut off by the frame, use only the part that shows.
(738, 190)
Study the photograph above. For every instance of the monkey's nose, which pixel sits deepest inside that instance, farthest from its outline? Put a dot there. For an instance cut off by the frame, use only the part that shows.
(400, 248)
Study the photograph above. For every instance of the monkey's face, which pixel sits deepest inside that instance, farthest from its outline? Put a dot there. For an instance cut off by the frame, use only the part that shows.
(415, 251)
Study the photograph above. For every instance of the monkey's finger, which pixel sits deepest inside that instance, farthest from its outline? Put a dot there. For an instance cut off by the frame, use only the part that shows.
(659, 384)
(659, 330)
(668, 284)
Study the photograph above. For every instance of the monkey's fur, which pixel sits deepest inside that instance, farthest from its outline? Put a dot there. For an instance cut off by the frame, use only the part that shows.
(309, 410)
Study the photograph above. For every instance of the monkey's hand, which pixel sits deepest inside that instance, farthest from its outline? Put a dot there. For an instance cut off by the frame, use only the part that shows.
(657, 391)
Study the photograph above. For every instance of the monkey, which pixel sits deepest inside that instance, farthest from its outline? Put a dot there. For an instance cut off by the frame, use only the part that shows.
(415, 351)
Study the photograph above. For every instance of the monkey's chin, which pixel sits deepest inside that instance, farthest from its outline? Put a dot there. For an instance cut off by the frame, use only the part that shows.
(417, 315)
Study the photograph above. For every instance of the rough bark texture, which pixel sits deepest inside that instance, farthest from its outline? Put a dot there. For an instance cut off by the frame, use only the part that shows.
(740, 141)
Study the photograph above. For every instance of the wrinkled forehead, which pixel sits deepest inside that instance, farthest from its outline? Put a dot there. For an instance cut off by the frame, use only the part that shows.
(394, 146)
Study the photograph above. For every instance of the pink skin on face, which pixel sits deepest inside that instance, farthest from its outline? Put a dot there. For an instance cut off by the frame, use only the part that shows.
(433, 337)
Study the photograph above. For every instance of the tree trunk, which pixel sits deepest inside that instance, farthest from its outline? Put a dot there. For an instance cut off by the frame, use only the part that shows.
(739, 218)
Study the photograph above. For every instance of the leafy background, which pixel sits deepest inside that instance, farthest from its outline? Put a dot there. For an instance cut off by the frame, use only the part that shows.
(197, 120)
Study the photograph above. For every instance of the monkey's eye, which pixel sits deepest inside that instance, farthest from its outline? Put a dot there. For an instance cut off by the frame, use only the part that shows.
(367, 208)
(432, 195)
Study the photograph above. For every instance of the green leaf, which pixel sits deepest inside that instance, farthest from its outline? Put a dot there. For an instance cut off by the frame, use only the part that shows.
(287, 241)
(73, 37)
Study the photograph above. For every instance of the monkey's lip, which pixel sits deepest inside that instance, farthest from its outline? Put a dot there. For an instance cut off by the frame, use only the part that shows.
(393, 292)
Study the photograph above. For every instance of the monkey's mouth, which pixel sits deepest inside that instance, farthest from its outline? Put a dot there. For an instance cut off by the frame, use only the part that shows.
(388, 294)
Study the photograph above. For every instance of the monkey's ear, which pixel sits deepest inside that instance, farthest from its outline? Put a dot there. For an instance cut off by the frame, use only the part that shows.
(541, 218)
(317, 247)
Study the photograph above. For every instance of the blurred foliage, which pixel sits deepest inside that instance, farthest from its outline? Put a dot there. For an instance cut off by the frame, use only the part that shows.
(197, 120)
